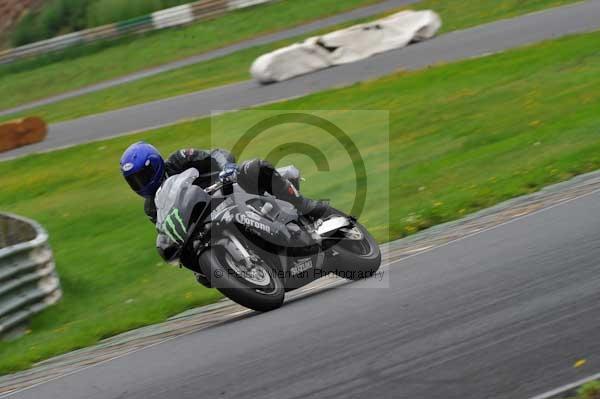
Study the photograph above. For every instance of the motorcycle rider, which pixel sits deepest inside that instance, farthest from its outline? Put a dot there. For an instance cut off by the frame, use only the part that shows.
(144, 169)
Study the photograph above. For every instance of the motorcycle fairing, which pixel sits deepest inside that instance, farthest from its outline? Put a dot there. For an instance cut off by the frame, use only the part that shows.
(177, 200)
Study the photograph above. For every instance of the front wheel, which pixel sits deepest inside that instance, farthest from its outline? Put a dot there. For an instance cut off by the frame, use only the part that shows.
(357, 255)
(258, 288)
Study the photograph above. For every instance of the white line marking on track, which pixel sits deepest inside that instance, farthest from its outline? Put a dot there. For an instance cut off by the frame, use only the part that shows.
(567, 387)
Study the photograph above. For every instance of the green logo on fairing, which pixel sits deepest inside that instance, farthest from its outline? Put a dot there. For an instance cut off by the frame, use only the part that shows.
(173, 226)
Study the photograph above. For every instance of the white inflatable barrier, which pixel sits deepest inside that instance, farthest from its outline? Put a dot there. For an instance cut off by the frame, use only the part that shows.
(348, 45)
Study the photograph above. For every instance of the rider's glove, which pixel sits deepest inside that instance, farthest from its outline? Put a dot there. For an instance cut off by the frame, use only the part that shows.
(229, 173)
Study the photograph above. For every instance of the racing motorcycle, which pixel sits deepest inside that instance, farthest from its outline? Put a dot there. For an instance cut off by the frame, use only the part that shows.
(254, 248)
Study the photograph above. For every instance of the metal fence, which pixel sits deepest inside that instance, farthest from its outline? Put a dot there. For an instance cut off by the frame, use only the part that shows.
(167, 18)
(28, 280)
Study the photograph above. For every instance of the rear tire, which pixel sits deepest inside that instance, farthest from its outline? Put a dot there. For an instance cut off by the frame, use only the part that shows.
(357, 260)
(239, 290)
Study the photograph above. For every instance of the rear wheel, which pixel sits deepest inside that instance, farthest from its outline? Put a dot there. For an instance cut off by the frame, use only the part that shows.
(256, 286)
(358, 254)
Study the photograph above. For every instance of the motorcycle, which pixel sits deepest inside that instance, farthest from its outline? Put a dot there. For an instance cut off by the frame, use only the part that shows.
(255, 248)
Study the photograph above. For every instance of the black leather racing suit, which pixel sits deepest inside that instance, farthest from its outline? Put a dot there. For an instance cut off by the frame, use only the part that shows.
(255, 176)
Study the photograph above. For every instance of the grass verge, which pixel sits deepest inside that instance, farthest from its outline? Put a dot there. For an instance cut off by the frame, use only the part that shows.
(81, 66)
(463, 137)
(44, 82)
(591, 390)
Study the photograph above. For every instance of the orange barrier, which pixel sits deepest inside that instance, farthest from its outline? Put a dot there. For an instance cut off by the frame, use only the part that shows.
(17, 133)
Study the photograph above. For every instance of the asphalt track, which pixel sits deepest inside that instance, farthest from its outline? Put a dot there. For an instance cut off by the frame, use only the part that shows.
(358, 13)
(478, 41)
(504, 313)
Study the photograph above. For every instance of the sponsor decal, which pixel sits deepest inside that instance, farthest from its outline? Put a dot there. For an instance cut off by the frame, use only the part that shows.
(253, 215)
(173, 226)
(301, 265)
(249, 219)
(222, 207)
(127, 167)
(243, 218)
(227, 217)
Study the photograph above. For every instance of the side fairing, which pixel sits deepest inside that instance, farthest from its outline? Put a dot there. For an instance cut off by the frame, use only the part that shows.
(175, 203)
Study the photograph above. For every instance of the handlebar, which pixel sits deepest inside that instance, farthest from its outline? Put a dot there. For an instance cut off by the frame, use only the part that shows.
(214, 188)
(217, 186)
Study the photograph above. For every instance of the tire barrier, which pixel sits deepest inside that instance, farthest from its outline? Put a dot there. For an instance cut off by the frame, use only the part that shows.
(170, 17)
(28, 280)
(22, 132)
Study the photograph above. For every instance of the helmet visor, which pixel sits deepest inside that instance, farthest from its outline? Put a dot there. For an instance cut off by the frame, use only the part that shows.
(138, 181)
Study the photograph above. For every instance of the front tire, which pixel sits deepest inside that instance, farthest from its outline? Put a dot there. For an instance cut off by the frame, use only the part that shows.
(259, 297)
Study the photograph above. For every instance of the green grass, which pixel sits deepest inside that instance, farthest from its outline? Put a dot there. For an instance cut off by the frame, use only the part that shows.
(34, 79)
(57, 17)
(234, 68)
(591, 390)
(462, 137)
(458, 15)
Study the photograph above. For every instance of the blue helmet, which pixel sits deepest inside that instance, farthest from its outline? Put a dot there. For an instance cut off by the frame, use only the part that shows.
(143, 168)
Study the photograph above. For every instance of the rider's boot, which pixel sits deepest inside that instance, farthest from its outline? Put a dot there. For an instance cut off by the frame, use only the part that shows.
(306, 207)
(314, 209)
